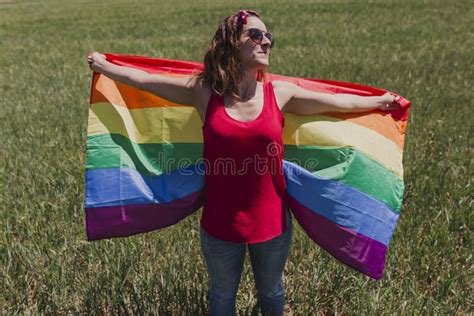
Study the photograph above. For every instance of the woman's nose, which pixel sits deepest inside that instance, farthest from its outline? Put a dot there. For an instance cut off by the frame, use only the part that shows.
(265, 42)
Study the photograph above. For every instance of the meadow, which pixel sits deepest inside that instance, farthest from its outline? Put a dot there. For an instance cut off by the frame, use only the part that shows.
(422, 50)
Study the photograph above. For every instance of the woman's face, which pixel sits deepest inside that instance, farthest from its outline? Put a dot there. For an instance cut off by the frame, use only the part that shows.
(254, 55)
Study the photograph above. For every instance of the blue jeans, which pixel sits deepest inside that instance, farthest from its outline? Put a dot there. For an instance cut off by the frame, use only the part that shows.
(225, 261)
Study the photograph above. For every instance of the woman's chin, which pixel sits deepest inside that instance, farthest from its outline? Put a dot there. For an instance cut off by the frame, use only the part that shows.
(259, 64)
(262, 63)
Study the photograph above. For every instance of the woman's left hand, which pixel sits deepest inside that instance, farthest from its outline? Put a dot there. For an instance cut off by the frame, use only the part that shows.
(388, 102)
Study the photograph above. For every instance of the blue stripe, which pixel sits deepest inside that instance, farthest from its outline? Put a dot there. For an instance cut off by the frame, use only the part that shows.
(126, 186)
(341, 204)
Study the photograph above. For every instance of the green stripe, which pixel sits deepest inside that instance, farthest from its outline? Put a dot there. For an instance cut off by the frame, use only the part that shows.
(350, 166)
(150, 159)
(344, 164)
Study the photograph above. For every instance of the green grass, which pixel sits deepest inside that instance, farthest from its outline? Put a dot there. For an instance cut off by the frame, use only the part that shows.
(422, 50)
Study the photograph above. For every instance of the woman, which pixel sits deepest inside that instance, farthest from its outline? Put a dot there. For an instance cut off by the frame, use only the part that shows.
(243, 122)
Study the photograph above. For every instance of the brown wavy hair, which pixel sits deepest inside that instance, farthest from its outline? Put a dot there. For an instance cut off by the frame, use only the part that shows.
(222, 64)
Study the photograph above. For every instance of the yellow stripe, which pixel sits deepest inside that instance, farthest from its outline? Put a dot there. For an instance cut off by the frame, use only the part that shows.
(183, 125)
(147, 125)
(320, 130)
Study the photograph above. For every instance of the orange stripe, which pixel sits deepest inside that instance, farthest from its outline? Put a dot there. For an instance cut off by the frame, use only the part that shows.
(125, 95)
(133, 98)
(383, 124)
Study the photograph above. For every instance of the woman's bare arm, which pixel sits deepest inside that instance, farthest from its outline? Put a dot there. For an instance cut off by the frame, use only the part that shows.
(305, 102)
(182, 90)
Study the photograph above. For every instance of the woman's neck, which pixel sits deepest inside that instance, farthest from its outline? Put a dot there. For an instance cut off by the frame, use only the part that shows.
(248, 84)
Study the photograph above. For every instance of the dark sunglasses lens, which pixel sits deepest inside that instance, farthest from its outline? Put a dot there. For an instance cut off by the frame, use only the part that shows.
(270, 38)
(257, 36)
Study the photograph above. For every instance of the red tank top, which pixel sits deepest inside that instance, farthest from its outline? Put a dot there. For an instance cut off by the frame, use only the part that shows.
(244, 182)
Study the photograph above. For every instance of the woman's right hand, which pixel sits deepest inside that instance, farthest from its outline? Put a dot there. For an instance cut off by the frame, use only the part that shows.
(95, 60)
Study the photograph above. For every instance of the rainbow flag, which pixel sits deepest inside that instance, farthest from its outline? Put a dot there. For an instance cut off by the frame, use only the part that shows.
(343, 171)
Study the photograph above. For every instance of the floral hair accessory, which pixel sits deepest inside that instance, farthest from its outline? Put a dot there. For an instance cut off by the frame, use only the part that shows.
(241, 16)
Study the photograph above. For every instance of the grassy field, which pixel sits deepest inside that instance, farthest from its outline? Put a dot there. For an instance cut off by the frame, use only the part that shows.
(422, 50)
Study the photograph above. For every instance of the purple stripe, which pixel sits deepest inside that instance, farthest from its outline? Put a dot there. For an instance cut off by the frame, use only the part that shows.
(354, 249)
(126, 220)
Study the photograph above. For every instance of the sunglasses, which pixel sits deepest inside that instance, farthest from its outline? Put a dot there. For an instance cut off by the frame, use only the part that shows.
(257, 36)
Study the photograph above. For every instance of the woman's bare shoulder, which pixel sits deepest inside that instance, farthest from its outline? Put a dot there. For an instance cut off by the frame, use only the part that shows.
(203, 94)
(282, 85)
(284, 91)
(202, 90)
